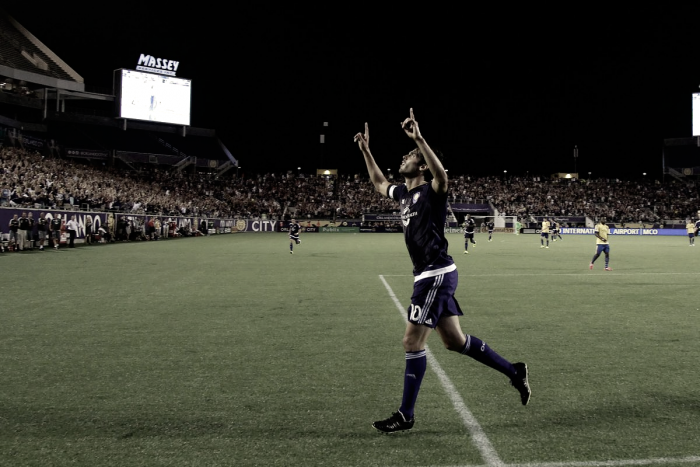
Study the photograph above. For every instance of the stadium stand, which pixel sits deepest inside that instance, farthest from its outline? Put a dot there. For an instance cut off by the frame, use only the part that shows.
(64, 146)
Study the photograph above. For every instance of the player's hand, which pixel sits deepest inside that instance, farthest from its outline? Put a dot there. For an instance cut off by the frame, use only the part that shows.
(410, 126)
(362, 140)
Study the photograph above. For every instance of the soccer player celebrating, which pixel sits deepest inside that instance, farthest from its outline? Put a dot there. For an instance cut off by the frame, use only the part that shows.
(489, 226)
(544, 233)
(602, 246)
(294, 230)
(423, 206)
(469, 225)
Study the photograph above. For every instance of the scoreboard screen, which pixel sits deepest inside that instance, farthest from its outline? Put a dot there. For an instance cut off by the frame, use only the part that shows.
(696, 114)
(153, 97)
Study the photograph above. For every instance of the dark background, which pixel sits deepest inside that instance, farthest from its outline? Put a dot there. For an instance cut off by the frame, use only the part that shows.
(495, 88)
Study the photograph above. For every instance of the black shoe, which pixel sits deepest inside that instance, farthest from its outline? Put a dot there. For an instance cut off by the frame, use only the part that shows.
(397, 422)
(521, 383)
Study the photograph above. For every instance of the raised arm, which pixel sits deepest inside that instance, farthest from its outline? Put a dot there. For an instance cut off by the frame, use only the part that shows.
(439, 183)
(375, 174)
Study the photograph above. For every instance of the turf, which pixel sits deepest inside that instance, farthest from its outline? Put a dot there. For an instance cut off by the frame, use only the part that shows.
(227, 350)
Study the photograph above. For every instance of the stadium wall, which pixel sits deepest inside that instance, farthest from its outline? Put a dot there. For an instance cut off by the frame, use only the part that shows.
(214, 225)
(615, 231)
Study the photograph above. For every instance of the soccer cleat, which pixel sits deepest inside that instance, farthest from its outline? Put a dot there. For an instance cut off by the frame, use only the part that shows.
(489, 239)
(397, 422)
(521, 383)
(466, 252)
(608, 269)
(291, 252)
(547, 247)
(590, 266)
(541, 246)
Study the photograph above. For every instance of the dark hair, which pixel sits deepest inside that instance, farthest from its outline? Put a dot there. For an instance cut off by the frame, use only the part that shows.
(427, 175)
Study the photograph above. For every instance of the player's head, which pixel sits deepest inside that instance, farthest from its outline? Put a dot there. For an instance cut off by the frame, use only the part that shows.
(603, 220)
(414, 164)
(294, 221)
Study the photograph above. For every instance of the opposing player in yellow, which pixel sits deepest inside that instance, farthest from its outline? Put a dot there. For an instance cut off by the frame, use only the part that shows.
(690, 228)
(602, 246)
(544, 233)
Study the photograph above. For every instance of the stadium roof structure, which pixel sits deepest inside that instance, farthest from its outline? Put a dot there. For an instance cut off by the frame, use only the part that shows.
(25, 58)
(43, 102)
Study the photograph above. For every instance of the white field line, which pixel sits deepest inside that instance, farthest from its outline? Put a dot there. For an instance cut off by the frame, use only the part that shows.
(478, 437)
(481, 441)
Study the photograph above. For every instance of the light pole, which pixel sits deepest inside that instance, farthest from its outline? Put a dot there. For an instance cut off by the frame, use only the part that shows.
(575, 157)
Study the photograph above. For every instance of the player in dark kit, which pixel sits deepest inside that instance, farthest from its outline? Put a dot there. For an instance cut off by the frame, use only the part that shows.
(490, 225)
(423, 207)
(469, 225)
(556, 230)
(294, 229)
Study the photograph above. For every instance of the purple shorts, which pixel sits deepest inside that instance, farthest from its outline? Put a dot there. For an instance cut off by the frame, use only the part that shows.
(433, 297)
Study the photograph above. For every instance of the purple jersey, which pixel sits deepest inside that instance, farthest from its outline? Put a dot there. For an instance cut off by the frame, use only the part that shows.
(294, 230)
(423, 214)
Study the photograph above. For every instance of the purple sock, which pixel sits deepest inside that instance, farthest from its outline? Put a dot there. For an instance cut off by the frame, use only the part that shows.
(415, 370)
(481, 352)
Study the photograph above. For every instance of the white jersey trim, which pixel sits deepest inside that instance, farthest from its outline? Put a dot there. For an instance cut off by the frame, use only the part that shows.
(435, 272)
(390, 193)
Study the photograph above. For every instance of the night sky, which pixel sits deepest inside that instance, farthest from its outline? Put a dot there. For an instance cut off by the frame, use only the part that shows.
(494, 88)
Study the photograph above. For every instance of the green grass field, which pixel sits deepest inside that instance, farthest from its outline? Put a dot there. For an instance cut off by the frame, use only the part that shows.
(227, 350)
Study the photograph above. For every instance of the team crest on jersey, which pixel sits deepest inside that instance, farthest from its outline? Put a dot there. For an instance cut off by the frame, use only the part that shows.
(416, 197)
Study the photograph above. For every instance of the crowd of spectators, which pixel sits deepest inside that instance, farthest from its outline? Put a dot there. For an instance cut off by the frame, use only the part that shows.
(21, 89)
(621, 201)
(29, 179)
